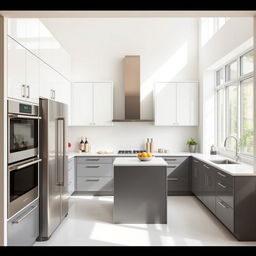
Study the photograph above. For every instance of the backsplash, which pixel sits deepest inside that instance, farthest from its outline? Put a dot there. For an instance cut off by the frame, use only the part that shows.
(122, 136)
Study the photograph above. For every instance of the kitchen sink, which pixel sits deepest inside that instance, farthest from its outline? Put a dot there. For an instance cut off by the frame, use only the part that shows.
(225, 161)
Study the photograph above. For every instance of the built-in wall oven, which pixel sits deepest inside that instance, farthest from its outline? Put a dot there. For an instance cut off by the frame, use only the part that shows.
(23, 155)
(23, 126)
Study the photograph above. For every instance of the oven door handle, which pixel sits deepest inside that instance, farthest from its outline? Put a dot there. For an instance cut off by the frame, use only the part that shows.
(24, 116)
(20, 166)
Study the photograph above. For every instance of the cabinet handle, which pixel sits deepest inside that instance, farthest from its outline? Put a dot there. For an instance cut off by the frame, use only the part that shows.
(28, 88)
(170, 159)
(17, 221)
(222, 174)
(92, 166)
(92, 179)
(54, 94)
(224, 206)
(206, 166)
(171, 166)
(23, 91)
(92, 159)
(173, 179)
(195, 161)
(221, 185)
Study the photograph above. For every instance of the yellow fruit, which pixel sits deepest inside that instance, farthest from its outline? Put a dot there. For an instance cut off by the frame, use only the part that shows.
(144, 154)
(149, 155)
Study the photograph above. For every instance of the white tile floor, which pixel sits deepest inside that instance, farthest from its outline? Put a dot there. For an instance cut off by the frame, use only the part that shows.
(189, 223)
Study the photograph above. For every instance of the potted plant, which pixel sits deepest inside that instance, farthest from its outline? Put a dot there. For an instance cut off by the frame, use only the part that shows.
(192, 145)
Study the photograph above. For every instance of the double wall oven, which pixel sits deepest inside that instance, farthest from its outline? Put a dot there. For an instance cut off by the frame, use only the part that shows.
(23, 155)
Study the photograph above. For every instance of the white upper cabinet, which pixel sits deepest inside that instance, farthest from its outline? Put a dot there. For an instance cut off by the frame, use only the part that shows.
(187, 104)
(176, 104)
(51, 51)
(103, 103)
(92, 104)
(23, 73)
(82, 104)
(165, 102)
(26, 32)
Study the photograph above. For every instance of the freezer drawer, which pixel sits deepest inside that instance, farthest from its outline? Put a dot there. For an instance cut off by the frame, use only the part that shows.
(94, 184)
(23, 229)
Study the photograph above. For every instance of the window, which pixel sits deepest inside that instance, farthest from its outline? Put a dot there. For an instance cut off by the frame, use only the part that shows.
(234, 90)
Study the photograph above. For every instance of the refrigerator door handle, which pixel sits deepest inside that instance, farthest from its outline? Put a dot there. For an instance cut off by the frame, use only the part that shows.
(64, 151)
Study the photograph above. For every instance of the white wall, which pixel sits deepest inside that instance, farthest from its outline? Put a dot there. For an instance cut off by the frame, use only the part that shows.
(233, 37)
(167, 46)
(124, 136)
(169, 52)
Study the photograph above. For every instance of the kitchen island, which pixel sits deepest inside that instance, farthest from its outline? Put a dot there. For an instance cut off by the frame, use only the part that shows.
(140, 190)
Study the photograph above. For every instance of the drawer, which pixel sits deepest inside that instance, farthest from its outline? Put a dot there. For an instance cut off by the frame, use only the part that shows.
(224, 177)
(23, 229)
(94, 160)
(175, 159)
(94, 169)
(95, 184)
(225, 213)
(224, 191)
(178, 184)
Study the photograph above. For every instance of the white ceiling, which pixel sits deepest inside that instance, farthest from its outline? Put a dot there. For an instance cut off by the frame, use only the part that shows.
(125, 14)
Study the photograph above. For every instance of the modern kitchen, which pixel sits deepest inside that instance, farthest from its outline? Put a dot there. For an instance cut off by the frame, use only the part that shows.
(127, 128)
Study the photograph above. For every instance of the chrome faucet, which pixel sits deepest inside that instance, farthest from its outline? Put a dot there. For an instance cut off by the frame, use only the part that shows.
(225, 142)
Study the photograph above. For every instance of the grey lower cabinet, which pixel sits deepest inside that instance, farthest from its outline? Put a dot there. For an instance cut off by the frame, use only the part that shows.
(232, 199)
(95, 175)
(23, 228)
(178, 175)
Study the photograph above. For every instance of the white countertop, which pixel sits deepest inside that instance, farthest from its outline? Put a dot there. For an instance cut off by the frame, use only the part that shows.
(241, 169)
(135, 161)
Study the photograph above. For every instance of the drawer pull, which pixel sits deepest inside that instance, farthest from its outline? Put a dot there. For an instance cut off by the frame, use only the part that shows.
(221, 204)
(92, 166)
(173, 179)
(195, 161)
(222, 174)
(206, 166)
(170, 159)
(92, 180)
(17, 221)
(92, 159)
(171, 166)
(221, 185)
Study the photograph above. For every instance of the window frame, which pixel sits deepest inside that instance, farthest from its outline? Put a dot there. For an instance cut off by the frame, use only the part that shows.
(238, 82)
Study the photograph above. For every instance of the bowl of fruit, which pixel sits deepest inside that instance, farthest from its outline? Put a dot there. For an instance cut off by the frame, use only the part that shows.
(144, 156)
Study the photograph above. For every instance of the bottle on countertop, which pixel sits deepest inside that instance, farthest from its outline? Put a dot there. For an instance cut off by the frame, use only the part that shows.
(148, 146)
(213, 150)
(151, 145)
(86, 145)
(82, 148)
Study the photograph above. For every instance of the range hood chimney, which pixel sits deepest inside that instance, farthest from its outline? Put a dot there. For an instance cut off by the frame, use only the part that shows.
(132, 90)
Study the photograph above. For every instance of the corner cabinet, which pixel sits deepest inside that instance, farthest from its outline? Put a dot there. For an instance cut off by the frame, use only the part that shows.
(92, 104)
(176, 103)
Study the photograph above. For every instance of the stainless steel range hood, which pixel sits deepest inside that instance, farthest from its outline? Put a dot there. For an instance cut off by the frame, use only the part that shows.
(132, 90)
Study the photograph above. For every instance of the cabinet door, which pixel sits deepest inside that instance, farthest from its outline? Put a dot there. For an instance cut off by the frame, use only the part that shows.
(165, 103)
(82, 104)
(17, 29)
(32, 78)
(187, 104)
(62, 90)
(16, 70)
(45, 81)
(102, 104)
(32, 35)
(195, 177)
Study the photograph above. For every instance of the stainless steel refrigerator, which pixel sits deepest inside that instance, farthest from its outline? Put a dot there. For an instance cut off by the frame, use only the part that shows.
(53, 168)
